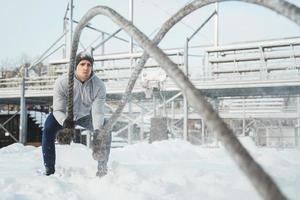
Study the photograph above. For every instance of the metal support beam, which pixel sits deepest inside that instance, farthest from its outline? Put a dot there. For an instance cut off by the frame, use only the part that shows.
(130, 128)
(142, 125)
(185, 118)
(216, 24)
(103, 32)
(203, 132)
(23, 111)
(216, 108)
(154, 104)
(131, 11)
(102, 48)
(297, 137)
(244, 119)
(185, 101)
(173, 115)
(9, 133)
(71, 24)
(186, 64)
(105, 40)
(65, 22)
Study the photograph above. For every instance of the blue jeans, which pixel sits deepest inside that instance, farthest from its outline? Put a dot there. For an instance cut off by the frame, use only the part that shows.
(51, 127)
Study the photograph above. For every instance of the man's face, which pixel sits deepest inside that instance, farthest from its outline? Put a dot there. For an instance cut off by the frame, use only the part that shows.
(84, 70)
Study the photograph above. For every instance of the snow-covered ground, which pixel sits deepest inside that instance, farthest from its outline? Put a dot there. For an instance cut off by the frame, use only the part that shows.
(171, 169)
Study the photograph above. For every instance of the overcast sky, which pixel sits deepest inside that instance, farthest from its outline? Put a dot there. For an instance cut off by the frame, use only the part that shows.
(29, 27)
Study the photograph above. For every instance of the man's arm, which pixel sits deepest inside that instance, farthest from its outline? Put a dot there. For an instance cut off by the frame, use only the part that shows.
(98, 108)
(59, 101)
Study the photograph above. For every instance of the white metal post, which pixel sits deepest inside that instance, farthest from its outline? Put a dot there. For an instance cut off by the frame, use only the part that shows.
(154, 105)
(23, 112)
(185, 101)
(130, 128)
(186, 64)
(217, 24)
(244, 119)
(131, 19)
(298, 123)
(173, 115)
(142, 125)
(185, 118)
(102, 48)
(71, 24)
(202, 131)
(267, 137)
(65, 23)
(66, 39)
(216, 107)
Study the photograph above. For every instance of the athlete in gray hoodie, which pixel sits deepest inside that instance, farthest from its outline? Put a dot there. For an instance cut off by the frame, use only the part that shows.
(88, 107)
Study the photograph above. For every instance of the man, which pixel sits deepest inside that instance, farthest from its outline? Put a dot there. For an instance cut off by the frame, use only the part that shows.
(88, 107)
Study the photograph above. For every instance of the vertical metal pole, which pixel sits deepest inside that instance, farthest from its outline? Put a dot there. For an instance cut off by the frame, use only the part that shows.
(71, 24)
(102, 48)
(244, 120)
(185, 118)
(203, 131)
(185, 102)
(65, 23)
(173, 115)
(164, 108)
(217, 24)
(65, 47)
(131, 19)
(267, 137)
(297, 137)
(130, 128)
(23, 112)
(154, 104)
(142, 125)
(216, 106)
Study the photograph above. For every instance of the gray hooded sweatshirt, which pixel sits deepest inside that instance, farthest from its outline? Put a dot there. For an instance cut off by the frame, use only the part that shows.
(89, 98)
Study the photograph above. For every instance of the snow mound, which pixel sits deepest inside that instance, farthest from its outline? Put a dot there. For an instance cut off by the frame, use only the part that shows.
(166, 170)
(16, 148)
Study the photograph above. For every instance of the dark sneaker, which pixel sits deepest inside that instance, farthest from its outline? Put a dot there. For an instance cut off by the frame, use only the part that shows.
(49, 171)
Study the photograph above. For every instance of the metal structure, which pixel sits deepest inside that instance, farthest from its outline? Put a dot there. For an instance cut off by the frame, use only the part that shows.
(240, 71)
(239, 65)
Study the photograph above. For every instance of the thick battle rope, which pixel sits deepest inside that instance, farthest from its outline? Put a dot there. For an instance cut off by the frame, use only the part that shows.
(259, 178)
(174, 19)
(66, 135)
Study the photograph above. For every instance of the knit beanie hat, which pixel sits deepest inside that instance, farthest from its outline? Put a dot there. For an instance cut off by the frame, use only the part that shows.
(84, 56)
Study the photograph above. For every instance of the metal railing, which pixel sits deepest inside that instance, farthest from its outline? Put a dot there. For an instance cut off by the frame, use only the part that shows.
(240, 64)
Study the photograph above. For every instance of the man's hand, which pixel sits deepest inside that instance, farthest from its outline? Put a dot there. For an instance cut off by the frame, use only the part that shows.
(68, 123)
(66, 135)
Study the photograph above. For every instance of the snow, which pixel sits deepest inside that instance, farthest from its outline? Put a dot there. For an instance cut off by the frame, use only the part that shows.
(172, 169)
